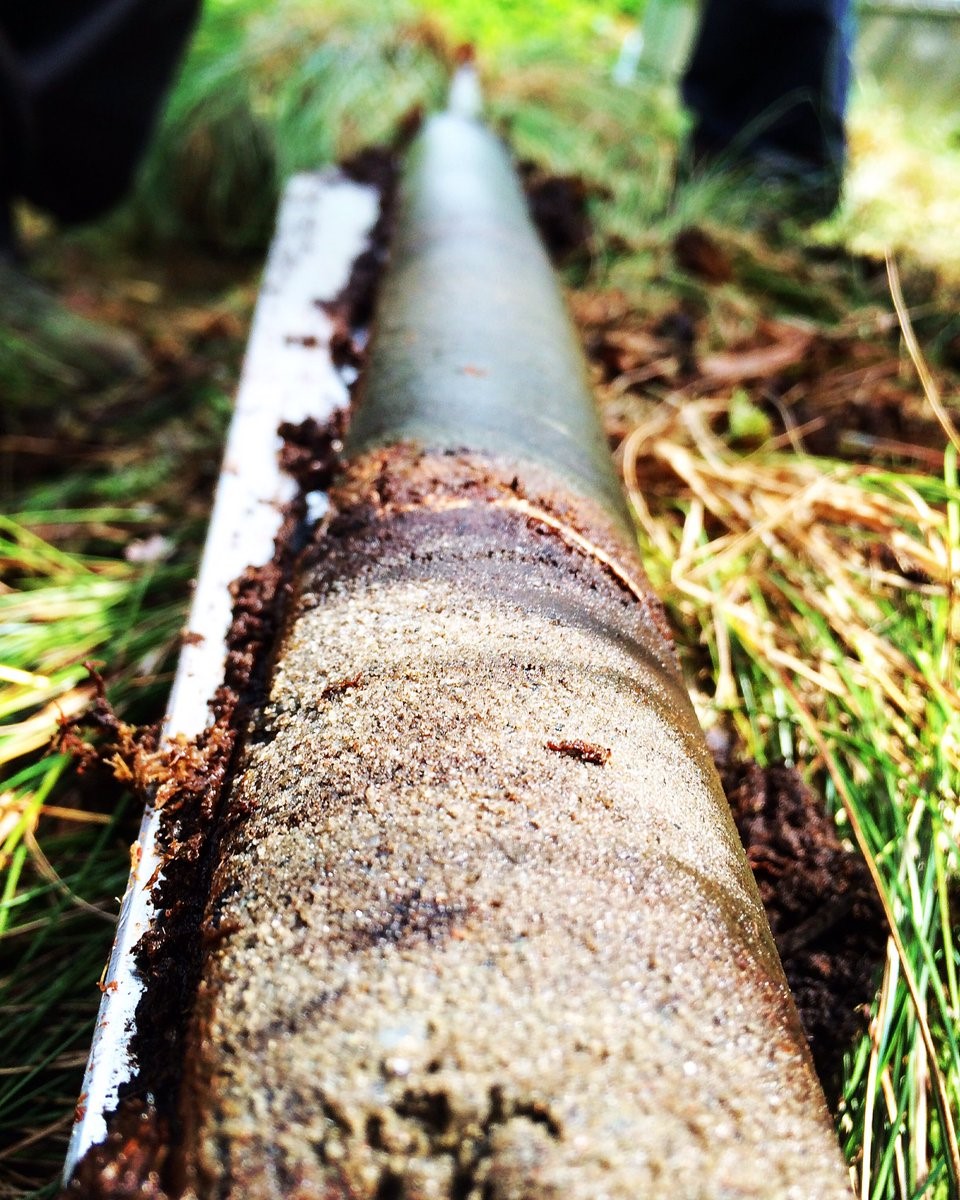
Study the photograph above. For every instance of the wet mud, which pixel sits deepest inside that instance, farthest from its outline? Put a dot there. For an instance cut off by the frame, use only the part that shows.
(131, 1162)
(311, 450)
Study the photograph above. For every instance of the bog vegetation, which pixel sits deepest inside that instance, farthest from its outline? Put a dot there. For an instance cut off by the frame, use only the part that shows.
(785, 408)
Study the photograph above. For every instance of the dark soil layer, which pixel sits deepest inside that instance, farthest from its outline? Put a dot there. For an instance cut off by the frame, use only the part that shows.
(821, 904)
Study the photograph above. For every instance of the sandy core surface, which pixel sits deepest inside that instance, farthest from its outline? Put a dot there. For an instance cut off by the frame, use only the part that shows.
(449, 961)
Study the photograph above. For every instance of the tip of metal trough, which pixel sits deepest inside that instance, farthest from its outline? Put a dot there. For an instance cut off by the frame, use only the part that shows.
(465, 98)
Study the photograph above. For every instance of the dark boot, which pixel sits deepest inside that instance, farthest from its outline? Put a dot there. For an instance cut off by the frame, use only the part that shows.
(90, 76)
(767, 84)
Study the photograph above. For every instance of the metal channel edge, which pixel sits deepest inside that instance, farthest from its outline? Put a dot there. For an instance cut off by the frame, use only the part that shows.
(324, 224)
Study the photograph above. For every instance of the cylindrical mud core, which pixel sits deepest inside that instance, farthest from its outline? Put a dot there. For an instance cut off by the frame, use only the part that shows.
(481, 927)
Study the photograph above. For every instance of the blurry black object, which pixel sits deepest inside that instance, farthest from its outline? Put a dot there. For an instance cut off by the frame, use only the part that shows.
(81, 83)
(767, 84)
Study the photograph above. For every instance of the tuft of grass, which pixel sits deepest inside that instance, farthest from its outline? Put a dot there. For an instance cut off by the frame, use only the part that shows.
(61, 611)
(573, 119)
(264, 93)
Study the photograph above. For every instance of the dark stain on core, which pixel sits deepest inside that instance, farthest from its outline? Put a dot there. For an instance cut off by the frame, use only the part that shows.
(410, 918)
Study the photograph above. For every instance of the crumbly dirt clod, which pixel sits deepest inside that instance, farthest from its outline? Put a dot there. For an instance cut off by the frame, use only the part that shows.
(823, 909)
(130, 1162)
(445, 961)
(311, 450)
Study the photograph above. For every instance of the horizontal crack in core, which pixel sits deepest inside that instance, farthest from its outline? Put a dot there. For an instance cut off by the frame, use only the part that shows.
(568, 534)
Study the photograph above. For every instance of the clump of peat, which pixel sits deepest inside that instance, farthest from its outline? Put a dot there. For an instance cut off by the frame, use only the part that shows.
(311, 450)
(558, 206)
(825, 915)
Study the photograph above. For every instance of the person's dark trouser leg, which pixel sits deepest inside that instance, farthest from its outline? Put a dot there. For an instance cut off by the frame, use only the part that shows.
(94, 73)
(13, 123)
(769, 79)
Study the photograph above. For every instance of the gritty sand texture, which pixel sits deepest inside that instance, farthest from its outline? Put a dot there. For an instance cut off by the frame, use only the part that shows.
(447, 961)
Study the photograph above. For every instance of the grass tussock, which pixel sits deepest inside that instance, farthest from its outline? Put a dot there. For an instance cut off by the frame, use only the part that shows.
(265, 93)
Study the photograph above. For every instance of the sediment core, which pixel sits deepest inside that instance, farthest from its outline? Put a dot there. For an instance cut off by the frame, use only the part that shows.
(480, 927)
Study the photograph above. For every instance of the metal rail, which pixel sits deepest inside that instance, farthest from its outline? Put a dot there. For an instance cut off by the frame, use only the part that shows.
(322, 227)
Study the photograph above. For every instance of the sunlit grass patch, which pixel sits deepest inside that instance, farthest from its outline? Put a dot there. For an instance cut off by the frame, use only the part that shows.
(59, 611)
(902, 190)
(59, 867)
